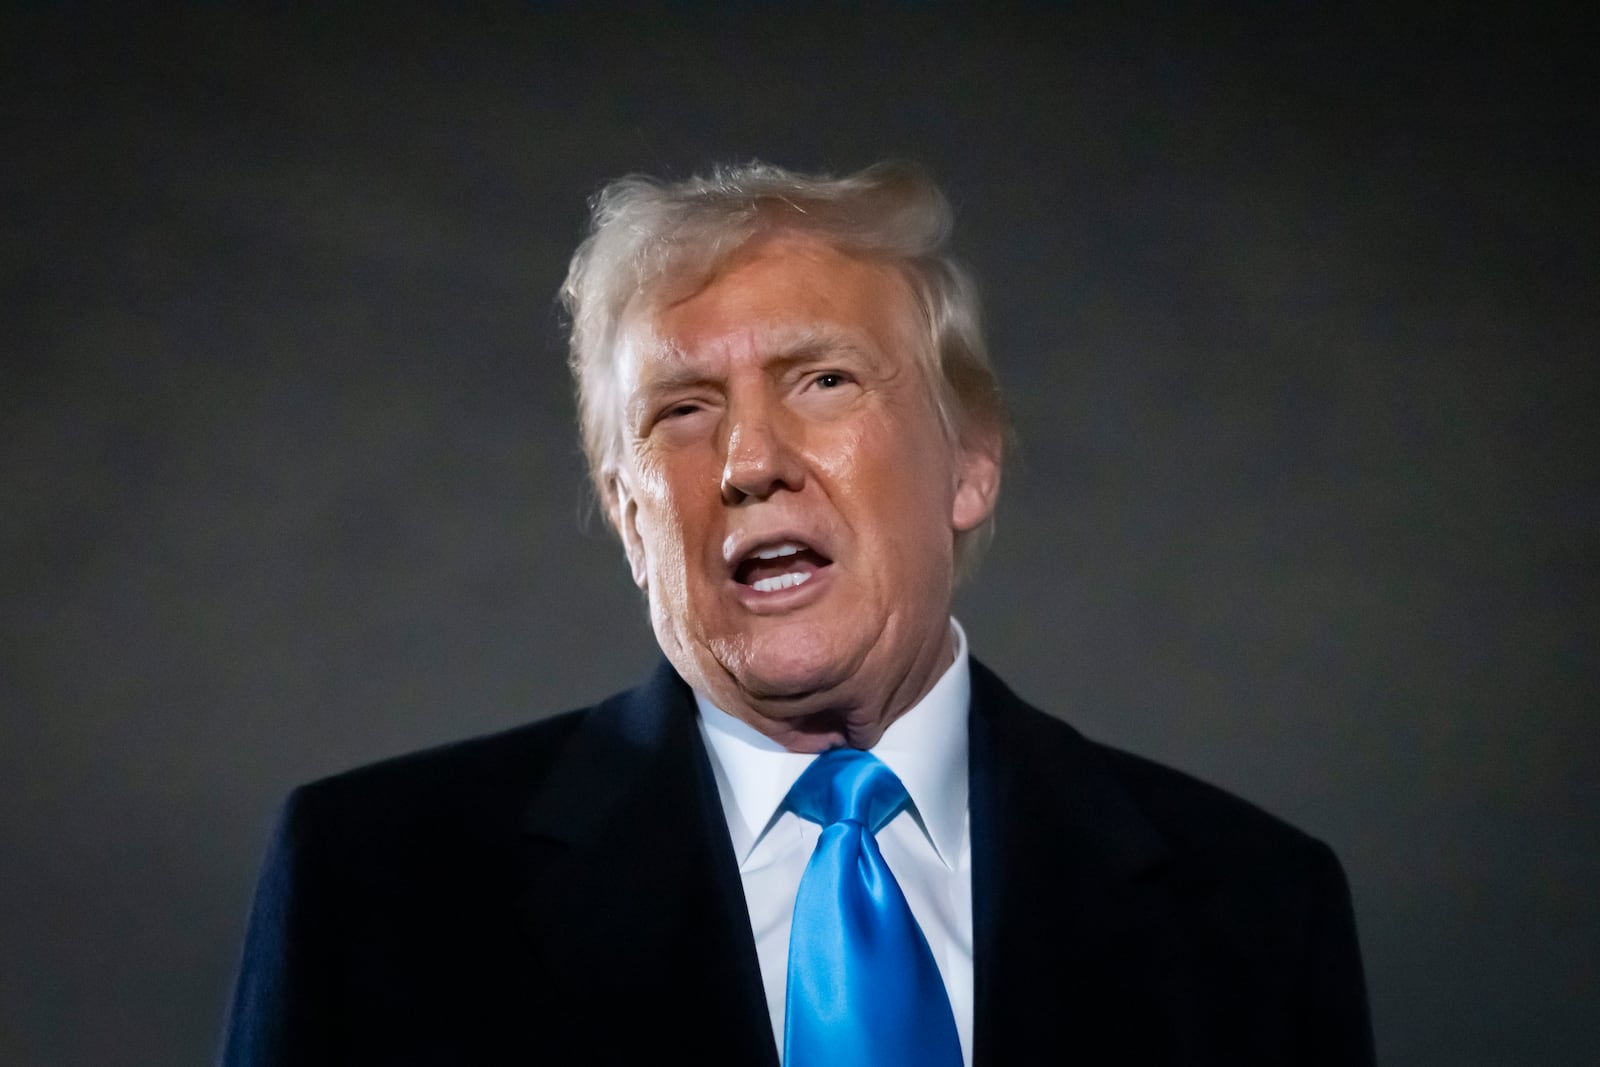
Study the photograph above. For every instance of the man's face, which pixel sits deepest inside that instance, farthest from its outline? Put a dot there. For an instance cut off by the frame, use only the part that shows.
(788, 497)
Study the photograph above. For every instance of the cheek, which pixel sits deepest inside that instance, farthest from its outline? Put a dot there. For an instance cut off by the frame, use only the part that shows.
(672, 521)
(910, 469)
(838, 457)
(662, 534)
(650, 478)
(902, 502)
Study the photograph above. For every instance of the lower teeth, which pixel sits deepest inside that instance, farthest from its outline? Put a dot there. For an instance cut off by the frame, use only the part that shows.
(782, 581)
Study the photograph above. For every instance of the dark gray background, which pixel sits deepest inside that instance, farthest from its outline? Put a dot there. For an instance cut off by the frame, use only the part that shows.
(1297, 313)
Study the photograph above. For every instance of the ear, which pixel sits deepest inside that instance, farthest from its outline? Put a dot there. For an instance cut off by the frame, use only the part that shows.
(977, 480)
(622, 511)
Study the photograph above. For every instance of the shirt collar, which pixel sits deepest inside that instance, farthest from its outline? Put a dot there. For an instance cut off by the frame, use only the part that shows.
(926, 747)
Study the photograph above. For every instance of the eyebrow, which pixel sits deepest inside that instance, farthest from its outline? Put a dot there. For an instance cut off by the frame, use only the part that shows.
(675, 368)
(783, 347)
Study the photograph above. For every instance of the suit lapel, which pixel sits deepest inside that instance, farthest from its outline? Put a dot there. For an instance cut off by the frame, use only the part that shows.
(1077, 936)
(633, 895)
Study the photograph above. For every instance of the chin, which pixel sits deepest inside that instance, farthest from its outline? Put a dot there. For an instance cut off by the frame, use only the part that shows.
(788, 665)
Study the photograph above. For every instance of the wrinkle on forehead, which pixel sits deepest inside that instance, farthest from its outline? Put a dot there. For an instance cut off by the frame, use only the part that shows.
(656, 358)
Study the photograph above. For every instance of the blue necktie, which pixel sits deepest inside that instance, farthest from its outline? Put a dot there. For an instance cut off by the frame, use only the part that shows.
(864, 990)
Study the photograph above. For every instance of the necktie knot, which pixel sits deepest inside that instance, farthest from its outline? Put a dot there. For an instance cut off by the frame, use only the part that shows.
(848, 785)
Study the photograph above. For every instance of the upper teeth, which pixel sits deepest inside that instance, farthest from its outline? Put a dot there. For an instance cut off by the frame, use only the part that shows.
(775, 553)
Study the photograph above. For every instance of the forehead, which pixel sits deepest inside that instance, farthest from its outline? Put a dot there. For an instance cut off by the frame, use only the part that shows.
(777, 294)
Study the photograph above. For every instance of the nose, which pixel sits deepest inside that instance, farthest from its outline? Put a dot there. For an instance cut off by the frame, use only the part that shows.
(760, 458)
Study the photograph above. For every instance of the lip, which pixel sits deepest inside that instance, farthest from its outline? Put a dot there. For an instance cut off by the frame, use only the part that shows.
(735, 547)
(784, 601)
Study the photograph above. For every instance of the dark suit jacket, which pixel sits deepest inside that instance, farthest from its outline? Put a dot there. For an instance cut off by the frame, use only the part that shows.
(566, 893)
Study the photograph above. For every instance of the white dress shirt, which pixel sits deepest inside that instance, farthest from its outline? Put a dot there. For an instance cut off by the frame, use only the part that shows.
(927, 846)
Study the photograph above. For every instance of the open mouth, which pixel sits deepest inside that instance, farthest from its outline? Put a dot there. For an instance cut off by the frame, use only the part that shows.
(774, 568)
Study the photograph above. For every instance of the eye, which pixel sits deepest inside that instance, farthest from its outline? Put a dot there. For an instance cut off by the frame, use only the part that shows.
(826, 392)
(680, 409)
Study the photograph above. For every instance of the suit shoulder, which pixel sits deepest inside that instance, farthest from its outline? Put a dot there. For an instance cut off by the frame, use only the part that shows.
(514, 750)
(1195, 820)
(1196, 816)
(477, 782)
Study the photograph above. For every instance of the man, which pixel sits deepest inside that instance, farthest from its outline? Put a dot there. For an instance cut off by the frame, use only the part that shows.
(793, 427)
